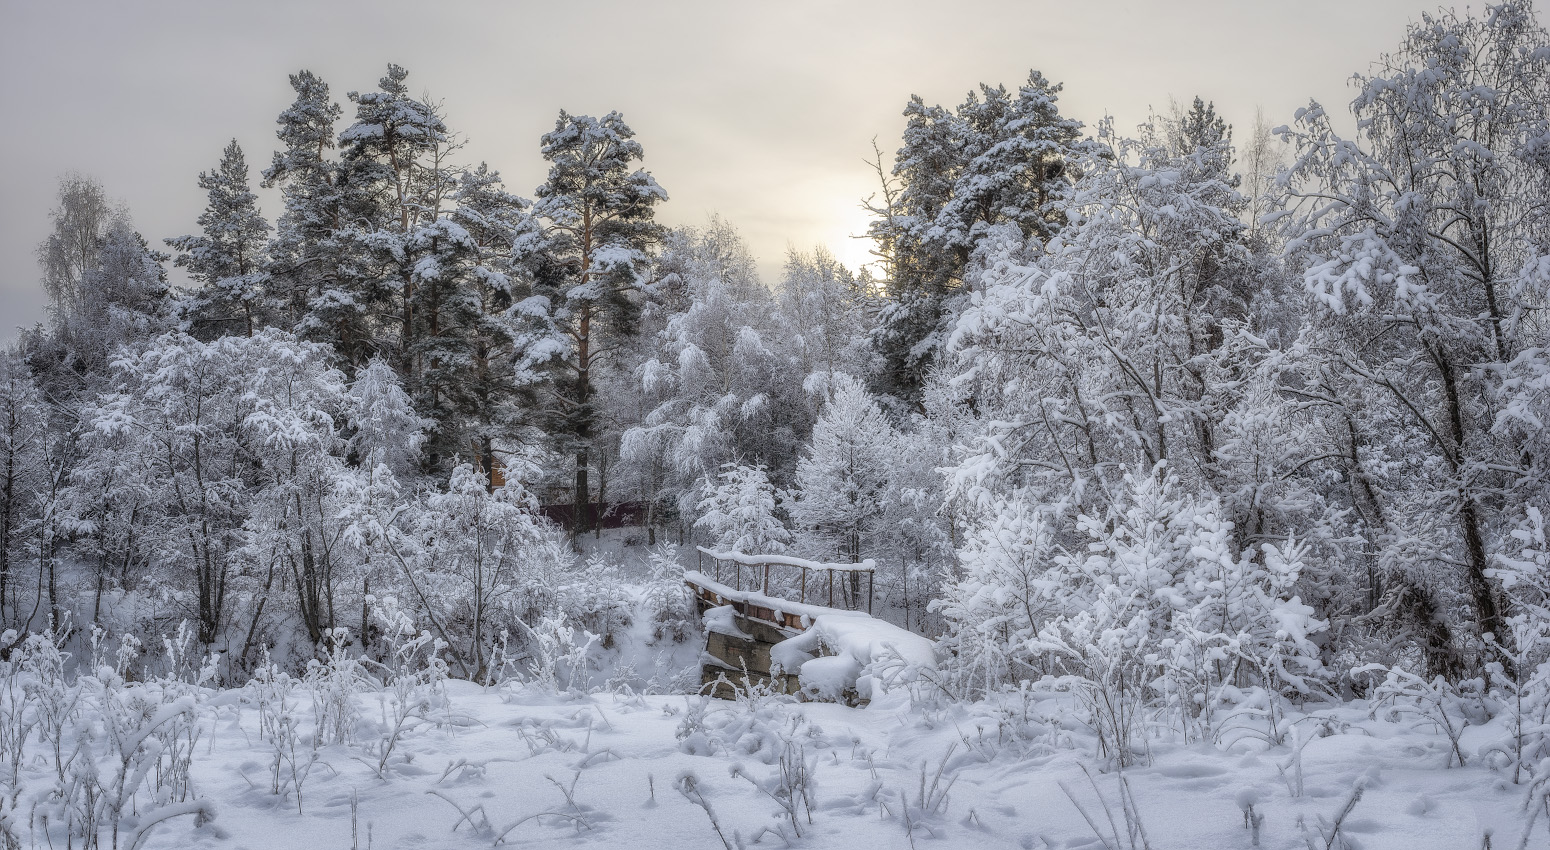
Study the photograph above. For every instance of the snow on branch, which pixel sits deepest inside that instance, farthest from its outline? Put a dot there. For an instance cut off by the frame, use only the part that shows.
(865, 566)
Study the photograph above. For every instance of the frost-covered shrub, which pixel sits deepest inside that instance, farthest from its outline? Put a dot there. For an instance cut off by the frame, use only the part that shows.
(738, 512)
(18, 718)
(1447, 707)
(666, 600)
(334, 680)
(757, 723)
(1003, 594)
(1156, 609)
(42, 659)
(127, 763)
(290, 759)
(1520, 674)
(596, 599)
(560, 657)
(412, 678)
(470, 559)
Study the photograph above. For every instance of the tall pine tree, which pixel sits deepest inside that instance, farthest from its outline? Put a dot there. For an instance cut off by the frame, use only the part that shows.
(1001, 160)
(227, 258)
(591, 259)
(306, 257)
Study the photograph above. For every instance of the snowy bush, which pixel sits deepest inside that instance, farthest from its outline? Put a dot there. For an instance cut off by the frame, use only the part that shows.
(560, 659)
(739, 512)
(1158, 609)
(667, 600)
(596, 600)
(471, 558)
(411, 677)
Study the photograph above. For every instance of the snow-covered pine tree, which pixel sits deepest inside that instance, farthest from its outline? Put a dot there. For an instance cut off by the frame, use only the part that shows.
(591, 258)
(999, 159)
(842, 478)
(227, 257)
(496, 410)
(915, 552)
(738, 511)
(307, 258)
(392, 158)
(384, 428)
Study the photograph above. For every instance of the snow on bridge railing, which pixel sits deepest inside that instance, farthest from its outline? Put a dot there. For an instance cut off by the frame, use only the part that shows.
(759, 567)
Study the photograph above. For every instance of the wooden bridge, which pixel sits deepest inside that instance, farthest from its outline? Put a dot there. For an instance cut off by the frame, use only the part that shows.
(769, 600)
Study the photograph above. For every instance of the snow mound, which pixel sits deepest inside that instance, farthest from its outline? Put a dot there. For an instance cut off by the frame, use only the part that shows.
(722, 620)
(846, 651)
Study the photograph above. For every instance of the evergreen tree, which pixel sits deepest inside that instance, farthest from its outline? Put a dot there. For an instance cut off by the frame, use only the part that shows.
(591, 264)
(739, 512)
(1199, 129)
(307, 258)
(999, 160)
(395, 181)
(227, 258)
(843, 478)
(385, 430)
(497, 411)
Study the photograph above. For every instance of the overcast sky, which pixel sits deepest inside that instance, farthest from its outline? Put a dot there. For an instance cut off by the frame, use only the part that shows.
(763, 112)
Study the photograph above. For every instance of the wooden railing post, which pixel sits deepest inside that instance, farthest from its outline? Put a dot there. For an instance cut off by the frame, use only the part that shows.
(766, 590)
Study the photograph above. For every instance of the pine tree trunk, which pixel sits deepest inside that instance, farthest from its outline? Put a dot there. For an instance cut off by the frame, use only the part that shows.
(583, 382)
(579, 524)
(7, 503)
(583, 416)
(602, 496)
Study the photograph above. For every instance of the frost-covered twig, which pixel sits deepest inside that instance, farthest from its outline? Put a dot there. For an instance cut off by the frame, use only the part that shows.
(1135, 830)
(1330, 832)
(689, 787)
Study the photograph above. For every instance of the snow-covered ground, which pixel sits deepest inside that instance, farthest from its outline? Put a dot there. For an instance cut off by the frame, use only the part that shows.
(514, 765)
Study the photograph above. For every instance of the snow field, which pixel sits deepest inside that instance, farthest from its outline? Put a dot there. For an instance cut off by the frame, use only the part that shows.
(517, 766)
(609, 768)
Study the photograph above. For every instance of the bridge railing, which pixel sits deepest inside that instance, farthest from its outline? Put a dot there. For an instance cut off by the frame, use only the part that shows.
(780, 575)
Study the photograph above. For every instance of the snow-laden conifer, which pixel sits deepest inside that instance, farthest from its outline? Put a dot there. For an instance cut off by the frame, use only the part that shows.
(227, 257)
(738, 511)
